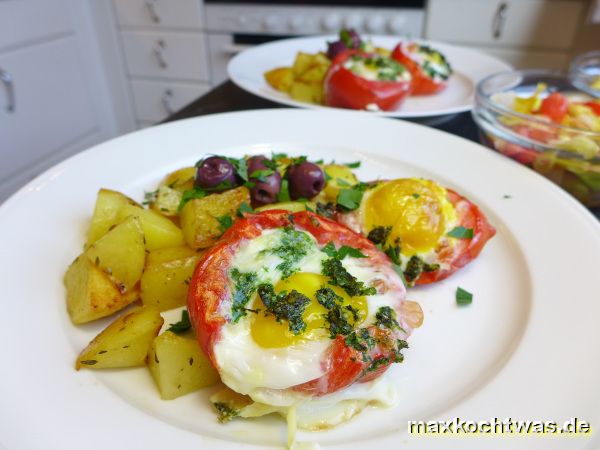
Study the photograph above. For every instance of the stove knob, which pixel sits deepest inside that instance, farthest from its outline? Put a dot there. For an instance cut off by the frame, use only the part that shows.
(375, 24)
(297, 23)
(354, 22)
(271, 23)
(332, 22)
(396, 25)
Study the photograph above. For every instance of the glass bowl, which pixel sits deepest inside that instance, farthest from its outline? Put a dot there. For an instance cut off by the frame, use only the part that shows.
(566, 154)
(585, 71)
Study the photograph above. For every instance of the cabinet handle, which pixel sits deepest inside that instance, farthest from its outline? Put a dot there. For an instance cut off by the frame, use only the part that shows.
(151, 5)
(159, 52)
(166, 100)
(499, 20)
(7, 80)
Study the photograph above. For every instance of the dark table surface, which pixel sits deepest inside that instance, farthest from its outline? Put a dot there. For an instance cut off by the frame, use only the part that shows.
(228, 97)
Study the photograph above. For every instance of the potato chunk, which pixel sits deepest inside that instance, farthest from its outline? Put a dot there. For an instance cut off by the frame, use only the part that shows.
(165, 279)
(121, 253)
(338, 177)
(124, 343)
(280, 78)
(166, 201)
(107, 206)
(181, 179)
(91, 294)
(179, 366)
(159, 232)
(199, 217)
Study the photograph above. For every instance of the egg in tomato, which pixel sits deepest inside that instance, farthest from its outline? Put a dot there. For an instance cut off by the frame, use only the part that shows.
(426, 229)
(292, 308)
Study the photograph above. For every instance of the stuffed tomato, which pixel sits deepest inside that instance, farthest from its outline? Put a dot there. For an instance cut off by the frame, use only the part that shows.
(429, 68)
(358, 80)
(294, 305)
(428, 231)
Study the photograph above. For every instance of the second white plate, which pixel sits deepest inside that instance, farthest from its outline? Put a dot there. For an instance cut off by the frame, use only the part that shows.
(247, 71)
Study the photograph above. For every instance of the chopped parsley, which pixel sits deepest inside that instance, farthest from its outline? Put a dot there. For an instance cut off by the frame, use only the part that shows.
(190, 194)
(285, 306)
(225, 222)
(328, 298)
(261, 174)
(386, 318)
(225, 412)
(461, 232)
(353, 165)
(284, 192)
(334, 269)
(345, 250)
(150, 197)
(244, 208)
(350, 198)
(327, 210)
(463, 297)
(294, 245)
(245, 286)
(379, 235)
(337, 318)
(183, 325)
(362, 341)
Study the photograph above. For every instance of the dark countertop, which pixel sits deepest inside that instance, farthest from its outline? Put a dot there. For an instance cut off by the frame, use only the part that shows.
(228, 97)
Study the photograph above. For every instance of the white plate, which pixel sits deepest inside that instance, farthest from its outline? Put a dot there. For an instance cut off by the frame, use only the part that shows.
(527, 347)
(248, 67)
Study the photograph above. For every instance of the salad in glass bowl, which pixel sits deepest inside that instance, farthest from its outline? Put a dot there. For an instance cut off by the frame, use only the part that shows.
(541, 119)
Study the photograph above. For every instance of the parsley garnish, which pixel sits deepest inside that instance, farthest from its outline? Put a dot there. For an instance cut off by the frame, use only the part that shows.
(183, 325)
(334, 269)
(379, 235)
(245, 286)
(414, 268)
(351, 197)
(190, 194)
(225, 412)
(244, 208)
(285, 306)
(461, 232)
(150, 197)
(261, 174)
(326, 210)
(463, 297)
(353, 165)
(328, 298)
(284, 192)
(294, 245)
(225, 222)
(345, 250)
(386, 318)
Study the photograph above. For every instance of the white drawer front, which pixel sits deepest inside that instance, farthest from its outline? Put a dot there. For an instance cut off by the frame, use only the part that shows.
(52, 103)
(544, 24)
(167, 13)
(166, 55)
(154, 101)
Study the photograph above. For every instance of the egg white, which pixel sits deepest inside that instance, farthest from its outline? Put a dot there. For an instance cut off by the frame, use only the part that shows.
(264, 374)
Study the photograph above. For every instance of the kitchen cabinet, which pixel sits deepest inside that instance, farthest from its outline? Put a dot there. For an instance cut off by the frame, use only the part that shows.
(164, 51)
(525, 33)
(52, 96)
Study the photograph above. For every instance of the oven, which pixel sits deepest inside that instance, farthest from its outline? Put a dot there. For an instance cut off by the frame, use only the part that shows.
(233, 26)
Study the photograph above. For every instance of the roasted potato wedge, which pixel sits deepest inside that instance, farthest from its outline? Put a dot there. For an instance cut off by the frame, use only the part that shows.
(307, 92)
(166, 201)
(288, 206)
(106, 209)
(159, 232)
(164, 283)
(199, 217)
(121, 253)
(91, 294)
(280, 78)
(179, 366)
(181, 179)
(124, 343)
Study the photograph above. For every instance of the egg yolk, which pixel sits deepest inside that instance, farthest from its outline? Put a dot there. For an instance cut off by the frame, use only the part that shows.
(269, 333)
(417, 210)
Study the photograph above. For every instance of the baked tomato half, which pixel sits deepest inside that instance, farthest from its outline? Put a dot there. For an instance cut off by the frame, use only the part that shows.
(296, 304)
(428, 231)
(359, 80)
(429, 68)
